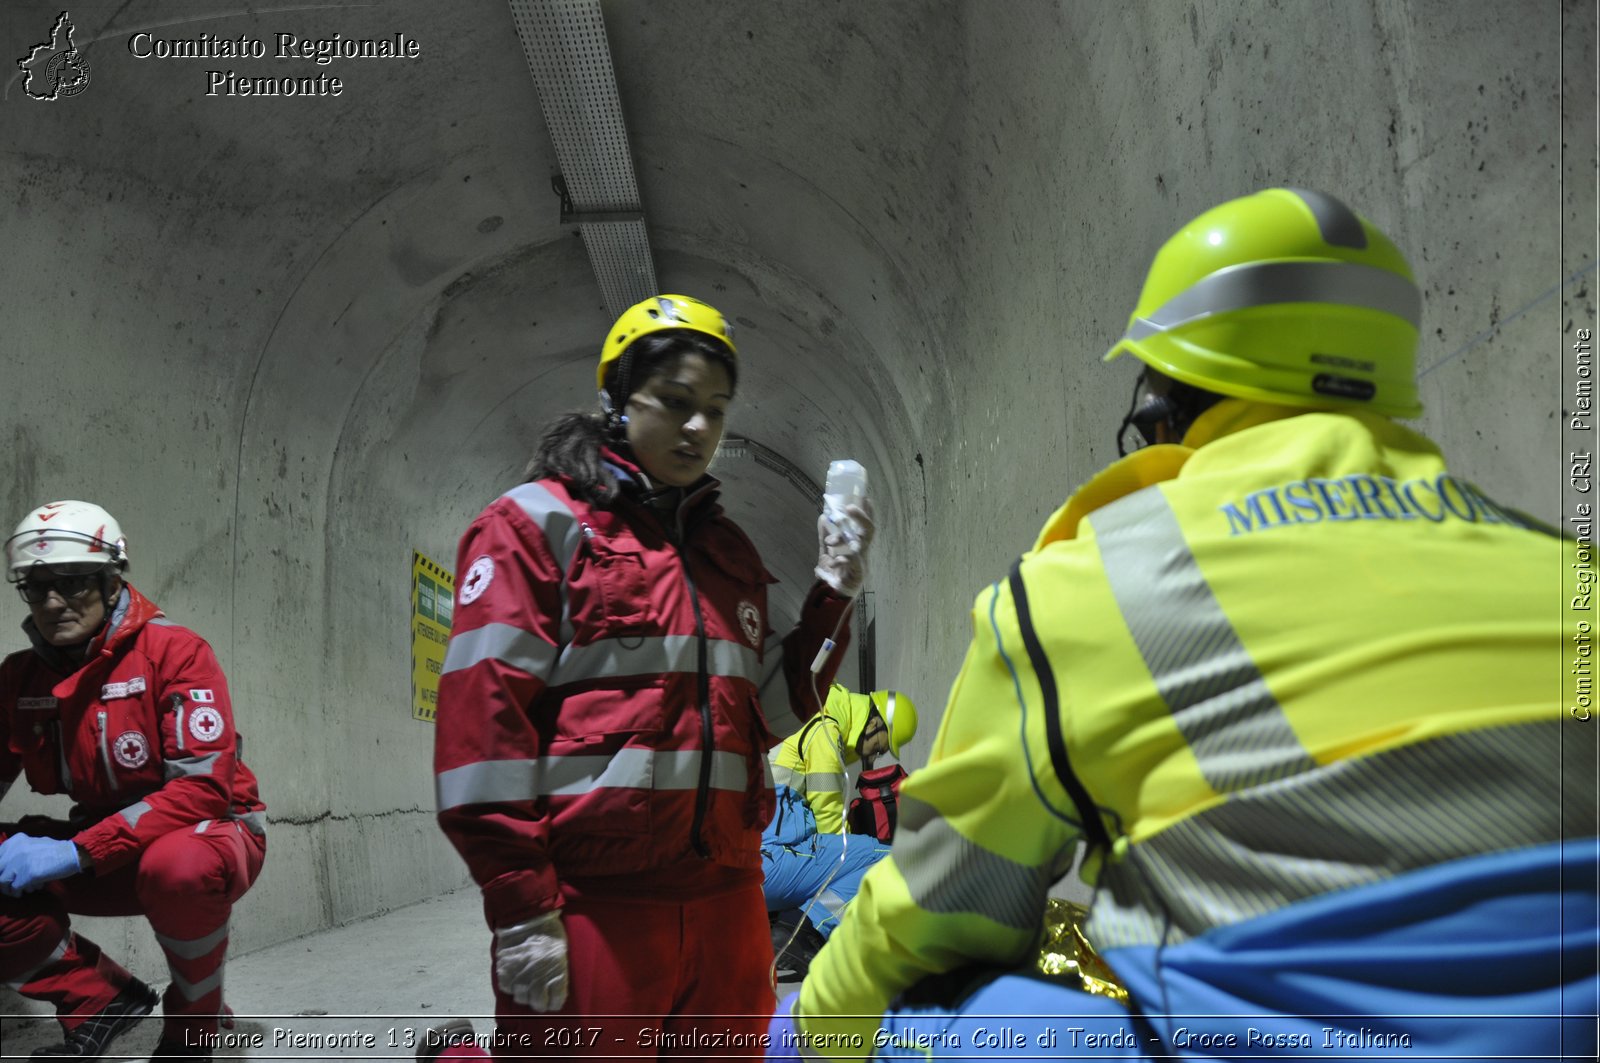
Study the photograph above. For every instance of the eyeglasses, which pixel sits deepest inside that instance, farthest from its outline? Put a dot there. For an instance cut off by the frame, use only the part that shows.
(35, 591)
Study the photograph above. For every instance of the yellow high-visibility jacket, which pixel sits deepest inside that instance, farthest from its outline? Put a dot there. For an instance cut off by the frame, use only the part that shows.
(811, 762)
(1291, 656)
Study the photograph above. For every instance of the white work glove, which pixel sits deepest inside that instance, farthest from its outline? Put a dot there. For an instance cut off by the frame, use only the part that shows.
(530, 962)
(842, 549)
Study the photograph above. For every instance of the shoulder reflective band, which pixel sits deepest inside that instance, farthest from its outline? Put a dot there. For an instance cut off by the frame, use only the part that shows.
(551, 516)
(561, 529)
(1267, 283)
(1218, 698)
(1093, 829)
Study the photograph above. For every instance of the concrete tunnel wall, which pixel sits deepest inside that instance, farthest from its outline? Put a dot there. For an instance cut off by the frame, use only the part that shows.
(287, 342)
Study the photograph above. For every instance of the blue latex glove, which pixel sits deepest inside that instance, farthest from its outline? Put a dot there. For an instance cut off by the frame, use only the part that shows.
(783, 1036)
(27, 863)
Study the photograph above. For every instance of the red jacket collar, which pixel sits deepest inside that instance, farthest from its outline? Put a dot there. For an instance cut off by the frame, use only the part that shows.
(635, 482)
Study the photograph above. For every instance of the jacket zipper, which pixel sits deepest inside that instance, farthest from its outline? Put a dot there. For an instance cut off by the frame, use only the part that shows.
(177, 708)
(61, 755)
(105, 751)
(702, 792)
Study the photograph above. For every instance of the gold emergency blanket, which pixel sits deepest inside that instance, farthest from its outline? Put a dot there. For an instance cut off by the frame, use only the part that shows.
(1067, 953)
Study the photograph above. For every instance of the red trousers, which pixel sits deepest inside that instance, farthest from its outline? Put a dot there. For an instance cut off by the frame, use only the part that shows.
(650, 979)
(185, 884)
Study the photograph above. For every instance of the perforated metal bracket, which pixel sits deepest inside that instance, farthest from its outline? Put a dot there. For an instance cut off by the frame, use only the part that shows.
(571, 217)
(569, 57)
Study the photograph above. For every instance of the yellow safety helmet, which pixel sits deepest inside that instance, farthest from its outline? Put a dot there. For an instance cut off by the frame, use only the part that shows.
(1285, 296)
(899, 714)
(658, 314)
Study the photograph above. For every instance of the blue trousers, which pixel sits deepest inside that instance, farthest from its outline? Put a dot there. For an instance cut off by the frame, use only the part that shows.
(817, 873)
(1491, 957)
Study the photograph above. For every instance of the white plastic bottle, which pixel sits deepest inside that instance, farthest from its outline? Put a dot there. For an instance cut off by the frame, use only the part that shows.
(846, 486)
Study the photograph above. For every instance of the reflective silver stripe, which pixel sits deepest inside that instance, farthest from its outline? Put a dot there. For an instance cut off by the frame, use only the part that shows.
(254, 822)
(493, 781)
(947, 874)
(652, 656)
(680, 770)
(821, 782)
(178, 769)
(1265, 283)
(562, 533)
(200, 828)
(179, 727)
(1348, 824)
(1337, 222)
(793, 778)
(134, 812)
(193, 991)
(1218, 699)
(486, 782)
(194, 948)
(26, 976)
(834, 903)
(510, 645)
(554, 518)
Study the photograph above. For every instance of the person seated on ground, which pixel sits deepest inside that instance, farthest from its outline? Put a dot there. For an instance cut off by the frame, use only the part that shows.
(851, 728)
(129, 715)
(1290, 677)
(811, 869)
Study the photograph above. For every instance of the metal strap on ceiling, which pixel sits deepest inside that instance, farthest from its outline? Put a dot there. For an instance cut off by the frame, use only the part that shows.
(567, 51)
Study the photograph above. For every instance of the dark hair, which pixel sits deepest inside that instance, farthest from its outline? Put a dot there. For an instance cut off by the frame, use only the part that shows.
(570, 446)
(647, 354)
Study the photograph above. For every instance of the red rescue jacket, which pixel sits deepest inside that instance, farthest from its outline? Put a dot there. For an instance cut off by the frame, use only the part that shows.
(141, 735)
(598, 711)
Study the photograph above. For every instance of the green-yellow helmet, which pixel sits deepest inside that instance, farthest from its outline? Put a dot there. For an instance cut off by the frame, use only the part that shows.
(1284, 296)
(658, 314)
(853, 711)
(899, 714)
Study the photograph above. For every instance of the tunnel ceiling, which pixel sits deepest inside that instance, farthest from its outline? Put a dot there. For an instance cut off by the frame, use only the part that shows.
(398, 275)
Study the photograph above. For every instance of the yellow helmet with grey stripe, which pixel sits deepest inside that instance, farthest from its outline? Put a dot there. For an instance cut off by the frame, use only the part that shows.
(1284, 296)
(658, 314)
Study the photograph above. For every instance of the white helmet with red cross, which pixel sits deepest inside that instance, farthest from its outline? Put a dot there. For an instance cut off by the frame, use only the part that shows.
(66, 533)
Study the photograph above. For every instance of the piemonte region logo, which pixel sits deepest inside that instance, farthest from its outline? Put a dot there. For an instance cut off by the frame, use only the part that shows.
(55, 69)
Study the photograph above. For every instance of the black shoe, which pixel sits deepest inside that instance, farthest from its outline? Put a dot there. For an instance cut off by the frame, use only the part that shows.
(169, 1051)
(441, 1037)
(91, 1038)
(795, 943)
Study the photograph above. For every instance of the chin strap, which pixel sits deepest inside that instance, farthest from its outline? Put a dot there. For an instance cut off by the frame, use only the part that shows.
(1143, 416)
(1177, 409)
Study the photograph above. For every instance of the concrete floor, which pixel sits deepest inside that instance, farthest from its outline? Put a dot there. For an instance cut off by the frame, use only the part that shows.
(389, 977)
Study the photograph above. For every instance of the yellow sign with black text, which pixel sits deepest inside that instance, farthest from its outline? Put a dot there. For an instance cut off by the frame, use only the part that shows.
(433, 594)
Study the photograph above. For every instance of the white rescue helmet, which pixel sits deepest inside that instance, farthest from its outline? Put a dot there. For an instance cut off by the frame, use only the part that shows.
(66, 533)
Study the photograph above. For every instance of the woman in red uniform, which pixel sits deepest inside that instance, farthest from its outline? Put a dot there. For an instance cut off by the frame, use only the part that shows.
(606, 707)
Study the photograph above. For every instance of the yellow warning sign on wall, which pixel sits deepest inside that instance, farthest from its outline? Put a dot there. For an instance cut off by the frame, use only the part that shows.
(433, 595)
